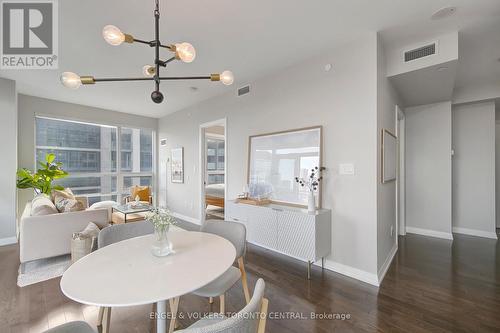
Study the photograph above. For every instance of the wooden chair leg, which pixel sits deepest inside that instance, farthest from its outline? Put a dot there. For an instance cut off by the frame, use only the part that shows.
(106, 320)
(100, 316)
(244, 281)
(222, 303)
(263, 316)
(174, 306)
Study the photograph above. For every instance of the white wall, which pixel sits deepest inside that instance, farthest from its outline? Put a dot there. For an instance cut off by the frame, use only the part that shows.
(30, 106)
(387, 100)
(474, 169)
(8, 151)
(342, 100)
(428, 170)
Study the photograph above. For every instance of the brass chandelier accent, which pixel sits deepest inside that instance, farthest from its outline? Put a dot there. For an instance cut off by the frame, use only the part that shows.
(184, 52)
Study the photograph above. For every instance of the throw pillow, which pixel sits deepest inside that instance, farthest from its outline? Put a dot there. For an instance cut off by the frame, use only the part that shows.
(42, 205)
(68, 205)
(66, 194)
(103, 205)
(65, 201)
(142, 191)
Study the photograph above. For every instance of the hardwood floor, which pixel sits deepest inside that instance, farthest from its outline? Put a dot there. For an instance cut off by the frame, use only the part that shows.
(433, 285)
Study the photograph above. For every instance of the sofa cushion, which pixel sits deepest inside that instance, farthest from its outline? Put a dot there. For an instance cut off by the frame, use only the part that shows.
(143, 192)
(42, 205)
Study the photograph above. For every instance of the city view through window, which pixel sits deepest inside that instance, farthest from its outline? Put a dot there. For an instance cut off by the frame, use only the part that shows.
(89, 153)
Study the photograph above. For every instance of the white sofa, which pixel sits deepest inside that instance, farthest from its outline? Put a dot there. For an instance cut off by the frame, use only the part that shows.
(46, 236)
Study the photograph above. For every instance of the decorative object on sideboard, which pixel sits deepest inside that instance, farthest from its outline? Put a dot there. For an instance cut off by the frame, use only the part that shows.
(254, 202)
(181, 51)
(41, 180)
(162, 219)
(177, 165)
(312, 185)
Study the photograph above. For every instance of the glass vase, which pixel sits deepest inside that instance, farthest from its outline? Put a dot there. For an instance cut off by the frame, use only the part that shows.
(161, 246)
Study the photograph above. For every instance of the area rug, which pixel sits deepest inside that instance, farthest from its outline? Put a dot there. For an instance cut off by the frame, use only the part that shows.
(42, 270)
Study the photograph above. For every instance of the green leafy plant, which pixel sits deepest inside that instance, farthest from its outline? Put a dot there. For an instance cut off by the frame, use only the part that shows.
(41, 180)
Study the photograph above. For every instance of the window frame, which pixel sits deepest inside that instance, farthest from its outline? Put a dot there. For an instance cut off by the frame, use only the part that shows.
(117, 173)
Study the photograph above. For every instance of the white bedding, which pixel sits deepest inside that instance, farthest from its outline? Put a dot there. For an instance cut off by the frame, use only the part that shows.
(215, 190)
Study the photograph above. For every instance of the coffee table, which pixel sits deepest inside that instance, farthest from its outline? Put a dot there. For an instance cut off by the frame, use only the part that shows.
(128, 209)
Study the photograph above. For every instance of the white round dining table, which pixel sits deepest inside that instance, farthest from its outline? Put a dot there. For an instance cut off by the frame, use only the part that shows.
(126, 273)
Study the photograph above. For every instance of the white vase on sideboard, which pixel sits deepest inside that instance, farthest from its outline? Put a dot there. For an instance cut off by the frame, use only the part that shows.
(311, 203)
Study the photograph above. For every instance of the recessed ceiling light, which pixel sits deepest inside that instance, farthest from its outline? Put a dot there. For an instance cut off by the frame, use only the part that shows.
(444, 13)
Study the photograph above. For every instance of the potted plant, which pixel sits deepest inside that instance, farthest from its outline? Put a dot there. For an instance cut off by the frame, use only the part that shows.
(41, 180)
(312, 184)
(162, 219)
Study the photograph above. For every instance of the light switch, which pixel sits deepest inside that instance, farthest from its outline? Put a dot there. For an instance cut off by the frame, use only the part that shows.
(346, 169)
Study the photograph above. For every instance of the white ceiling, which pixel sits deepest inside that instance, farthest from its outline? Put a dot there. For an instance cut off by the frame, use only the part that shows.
(251, 38)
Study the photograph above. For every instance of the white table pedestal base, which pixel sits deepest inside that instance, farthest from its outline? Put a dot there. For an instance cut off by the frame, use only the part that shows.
(161, 317)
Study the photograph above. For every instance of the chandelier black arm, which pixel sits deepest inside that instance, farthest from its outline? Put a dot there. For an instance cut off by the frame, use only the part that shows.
(152, 43)
(165, 78)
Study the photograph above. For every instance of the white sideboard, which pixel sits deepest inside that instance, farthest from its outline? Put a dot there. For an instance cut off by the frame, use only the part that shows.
(288, 230)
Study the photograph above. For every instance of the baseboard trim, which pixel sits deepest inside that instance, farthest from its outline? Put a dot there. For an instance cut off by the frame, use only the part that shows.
(387, 263)
(8, 241)
(430, 233)
(473, 232)
(352, 272)
(186, 218)
(349, 271)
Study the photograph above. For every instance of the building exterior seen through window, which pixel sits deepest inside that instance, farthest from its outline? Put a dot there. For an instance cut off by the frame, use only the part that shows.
(215, 161)
(88, 152)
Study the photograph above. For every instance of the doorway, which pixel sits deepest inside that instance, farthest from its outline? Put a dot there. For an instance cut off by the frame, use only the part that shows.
(213, 163)
(400, 184)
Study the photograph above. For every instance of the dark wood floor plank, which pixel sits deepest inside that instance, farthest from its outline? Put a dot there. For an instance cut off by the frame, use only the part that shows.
(432, 285)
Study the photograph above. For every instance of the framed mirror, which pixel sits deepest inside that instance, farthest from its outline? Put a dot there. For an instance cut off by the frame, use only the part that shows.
(275, 159)
(177, 165)
(389, 156)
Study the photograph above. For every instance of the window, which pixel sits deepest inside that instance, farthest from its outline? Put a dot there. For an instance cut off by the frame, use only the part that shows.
(215, 161)
(89, 153)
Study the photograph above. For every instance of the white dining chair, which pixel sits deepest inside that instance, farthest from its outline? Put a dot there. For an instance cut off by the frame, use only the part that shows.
(113, 234)
(72, 327)
(236, 234)
(251, 319)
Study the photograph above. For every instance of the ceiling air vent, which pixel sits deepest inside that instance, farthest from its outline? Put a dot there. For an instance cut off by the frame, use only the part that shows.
(243, 90)
(421, 52)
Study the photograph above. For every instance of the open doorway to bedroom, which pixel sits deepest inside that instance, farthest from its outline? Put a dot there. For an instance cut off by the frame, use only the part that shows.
(213, 172)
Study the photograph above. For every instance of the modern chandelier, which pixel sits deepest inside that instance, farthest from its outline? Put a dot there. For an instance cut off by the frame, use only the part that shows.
(182, 51)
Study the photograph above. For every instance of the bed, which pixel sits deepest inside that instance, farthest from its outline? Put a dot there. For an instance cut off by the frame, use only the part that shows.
(214, 195)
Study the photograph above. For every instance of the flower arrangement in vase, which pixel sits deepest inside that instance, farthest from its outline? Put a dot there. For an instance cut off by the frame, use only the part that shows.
(312, 184)
(161, 219)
